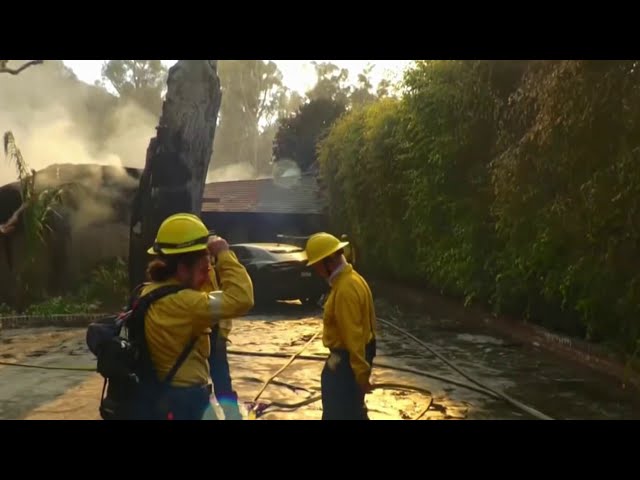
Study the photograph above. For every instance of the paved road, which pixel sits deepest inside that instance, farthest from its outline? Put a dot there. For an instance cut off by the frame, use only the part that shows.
(558, 389)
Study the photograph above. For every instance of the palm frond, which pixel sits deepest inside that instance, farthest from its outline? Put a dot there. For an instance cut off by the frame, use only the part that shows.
(26, 179)
(37, 207)
(45, 208)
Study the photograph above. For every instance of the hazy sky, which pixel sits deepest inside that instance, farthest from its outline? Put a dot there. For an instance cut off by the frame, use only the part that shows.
(297, 75)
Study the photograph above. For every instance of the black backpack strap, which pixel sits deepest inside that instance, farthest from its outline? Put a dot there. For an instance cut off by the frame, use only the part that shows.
(144, 302)
(183, 356)
(140, 304)
(135, 295)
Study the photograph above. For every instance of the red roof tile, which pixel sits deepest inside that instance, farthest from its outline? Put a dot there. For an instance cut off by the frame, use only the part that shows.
(263, 196)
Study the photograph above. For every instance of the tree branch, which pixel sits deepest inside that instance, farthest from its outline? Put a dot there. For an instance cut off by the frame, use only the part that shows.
(11, 224)
(16, 71)
(262, 105)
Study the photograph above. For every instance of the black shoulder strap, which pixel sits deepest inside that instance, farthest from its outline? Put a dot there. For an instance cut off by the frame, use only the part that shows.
(144, 302)
(140, 305)
(135, 295)
(183, 356)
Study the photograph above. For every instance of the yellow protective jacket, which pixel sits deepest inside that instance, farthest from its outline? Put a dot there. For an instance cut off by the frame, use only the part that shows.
(212, 285)
(350, 320)
(173, 320)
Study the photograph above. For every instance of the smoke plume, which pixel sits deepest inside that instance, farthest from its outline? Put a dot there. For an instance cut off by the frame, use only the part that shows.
(57, 119)
(229, 173)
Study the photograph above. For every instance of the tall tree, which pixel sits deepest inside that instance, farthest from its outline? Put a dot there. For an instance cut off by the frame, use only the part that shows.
(362, 93)
(298, 135)
(139, 80)
(290, 101)
(383, 90)
(330, 83)
(253, 96)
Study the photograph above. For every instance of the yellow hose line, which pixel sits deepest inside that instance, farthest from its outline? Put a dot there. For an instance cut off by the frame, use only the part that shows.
(277, 383)
(319, 397)
(284, 367)
(376, 363)
(376, 386)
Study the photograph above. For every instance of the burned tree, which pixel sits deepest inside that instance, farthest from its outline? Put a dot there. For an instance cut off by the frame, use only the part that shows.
(177, 158)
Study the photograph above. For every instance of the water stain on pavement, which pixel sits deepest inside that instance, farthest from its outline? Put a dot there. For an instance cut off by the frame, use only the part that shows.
(549, 385)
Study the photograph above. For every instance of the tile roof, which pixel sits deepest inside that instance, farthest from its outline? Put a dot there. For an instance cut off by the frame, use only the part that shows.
(264, 196)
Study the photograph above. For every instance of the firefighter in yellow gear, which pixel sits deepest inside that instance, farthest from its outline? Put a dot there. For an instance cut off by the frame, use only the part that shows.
(184, 251)
(218, 359)
(349, 325)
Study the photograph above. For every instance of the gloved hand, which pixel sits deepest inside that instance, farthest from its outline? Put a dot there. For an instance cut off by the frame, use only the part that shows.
(216, 245)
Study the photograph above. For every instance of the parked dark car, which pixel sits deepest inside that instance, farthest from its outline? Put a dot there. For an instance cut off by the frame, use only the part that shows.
(280, 272)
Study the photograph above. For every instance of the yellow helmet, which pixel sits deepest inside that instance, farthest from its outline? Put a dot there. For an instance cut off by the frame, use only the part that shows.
(180, 233)
(321, 245)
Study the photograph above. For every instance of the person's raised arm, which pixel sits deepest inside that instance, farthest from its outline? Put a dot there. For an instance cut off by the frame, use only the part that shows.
(235, 297)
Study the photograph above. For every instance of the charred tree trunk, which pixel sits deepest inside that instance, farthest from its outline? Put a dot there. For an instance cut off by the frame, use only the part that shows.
(177, 158)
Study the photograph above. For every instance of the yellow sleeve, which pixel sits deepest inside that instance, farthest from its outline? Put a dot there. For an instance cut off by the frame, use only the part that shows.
(349, 321)
(214, 306)
(235, 298)
(198, 304)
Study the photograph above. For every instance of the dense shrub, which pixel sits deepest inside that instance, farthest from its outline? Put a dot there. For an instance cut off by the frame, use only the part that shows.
(104, 289)
(567, 186)
(511, 182)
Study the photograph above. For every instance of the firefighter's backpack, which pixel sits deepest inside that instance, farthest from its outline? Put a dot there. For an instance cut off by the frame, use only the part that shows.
(131, 388)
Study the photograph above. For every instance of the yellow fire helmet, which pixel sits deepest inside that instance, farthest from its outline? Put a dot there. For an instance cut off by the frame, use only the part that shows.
(321, 245)
(180, 233)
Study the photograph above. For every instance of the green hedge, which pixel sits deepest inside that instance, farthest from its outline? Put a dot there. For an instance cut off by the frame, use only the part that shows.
(511, 183)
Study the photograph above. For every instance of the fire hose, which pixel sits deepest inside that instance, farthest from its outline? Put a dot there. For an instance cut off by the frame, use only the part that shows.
(258, 409)
(512, 401)
(479, 387)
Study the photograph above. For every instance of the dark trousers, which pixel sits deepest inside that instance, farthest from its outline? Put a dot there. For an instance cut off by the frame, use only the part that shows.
(159, 402)
(187, 403)
(342, 397)
(221, 376)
